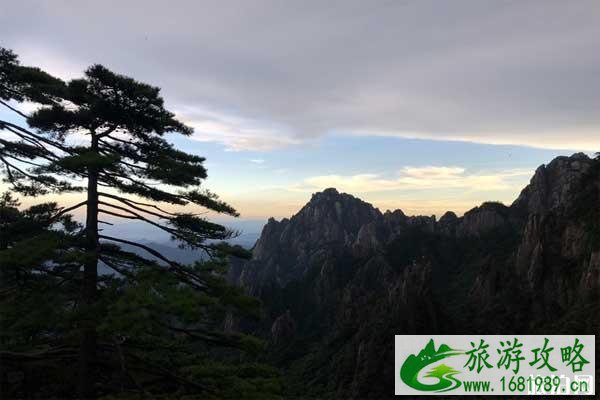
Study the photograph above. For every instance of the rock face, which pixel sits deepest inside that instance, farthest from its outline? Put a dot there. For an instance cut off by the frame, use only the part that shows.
(484, 219)
(339, 279)
(287, 249)
(283, 328)
(555, 185)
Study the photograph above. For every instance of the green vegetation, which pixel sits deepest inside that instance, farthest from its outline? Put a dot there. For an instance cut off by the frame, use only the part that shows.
(152, 328)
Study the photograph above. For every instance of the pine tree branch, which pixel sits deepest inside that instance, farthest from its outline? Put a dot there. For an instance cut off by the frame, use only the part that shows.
(137, 216)
(207, 336)
(106, 132)
(114, 267)
(175, 232)
(127, 142)
(111, 149)
(143, 247)
(69, 209)
(38, 137)
(8, 89)
(43, 153)
(129, 202)
(14, 109)
(33, 141)
(57, 274)
(114, 177)
(173, 265)
(34, 178)
(23, 161)
(53, 352)
(114, 214)
(126, 259)
(169, 374)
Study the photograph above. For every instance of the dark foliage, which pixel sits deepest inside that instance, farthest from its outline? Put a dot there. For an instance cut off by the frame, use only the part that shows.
(153, 327)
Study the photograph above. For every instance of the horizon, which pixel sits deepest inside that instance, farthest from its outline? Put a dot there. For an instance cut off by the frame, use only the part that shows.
(438, 206)
(250, 229)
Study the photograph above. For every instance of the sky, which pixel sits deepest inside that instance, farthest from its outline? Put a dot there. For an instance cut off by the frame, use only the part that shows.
(425, 106)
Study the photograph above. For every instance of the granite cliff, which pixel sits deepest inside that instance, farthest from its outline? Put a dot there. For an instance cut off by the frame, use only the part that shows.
(340, 278)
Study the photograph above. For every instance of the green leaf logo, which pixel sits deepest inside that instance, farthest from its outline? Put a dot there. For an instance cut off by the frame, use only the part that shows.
(409, 372)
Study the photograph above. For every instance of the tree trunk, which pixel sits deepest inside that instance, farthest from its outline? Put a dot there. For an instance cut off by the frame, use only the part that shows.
(87, 350)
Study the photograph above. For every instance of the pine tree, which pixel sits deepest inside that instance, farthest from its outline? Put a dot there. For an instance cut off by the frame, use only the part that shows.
(154, 320)
(36, 312)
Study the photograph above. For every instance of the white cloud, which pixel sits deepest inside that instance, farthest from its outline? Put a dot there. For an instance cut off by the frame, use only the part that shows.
(583, 139)
(446, 70)
(415, 178)
(25, 107)
(257, 161)
(236, 133)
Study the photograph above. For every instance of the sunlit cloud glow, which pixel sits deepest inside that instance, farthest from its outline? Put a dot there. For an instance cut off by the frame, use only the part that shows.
(414, 178)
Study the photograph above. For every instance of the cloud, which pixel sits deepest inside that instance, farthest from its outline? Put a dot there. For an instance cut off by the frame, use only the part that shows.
(25, 107)
(586, 139)
(236, 133)
(415, 178)
(257, 161)
(282, 73)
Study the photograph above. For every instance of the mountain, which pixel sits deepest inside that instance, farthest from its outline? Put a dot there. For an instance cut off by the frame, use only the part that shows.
(339, 279)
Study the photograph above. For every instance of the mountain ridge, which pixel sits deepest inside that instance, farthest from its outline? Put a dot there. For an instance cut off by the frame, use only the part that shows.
(339, 278)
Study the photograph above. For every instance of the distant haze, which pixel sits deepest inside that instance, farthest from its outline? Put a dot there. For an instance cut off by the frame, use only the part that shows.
(249, 230)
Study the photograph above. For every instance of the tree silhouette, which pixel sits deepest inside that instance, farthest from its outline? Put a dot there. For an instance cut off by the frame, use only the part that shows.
(104, 135)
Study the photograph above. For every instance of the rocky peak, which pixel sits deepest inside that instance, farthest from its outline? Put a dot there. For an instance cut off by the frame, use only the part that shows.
(331, 216)
(448, 218)
(339, 208)
(483, 219)
(269, 238)
(287, 249)
(329, 192)
(554, 185)
(448, 223)
(395, 217)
